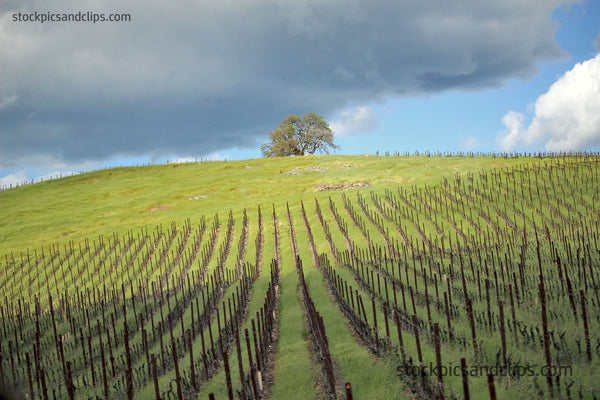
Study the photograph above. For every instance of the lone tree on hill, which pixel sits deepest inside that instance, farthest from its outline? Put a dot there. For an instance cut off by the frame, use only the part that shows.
(297, 136)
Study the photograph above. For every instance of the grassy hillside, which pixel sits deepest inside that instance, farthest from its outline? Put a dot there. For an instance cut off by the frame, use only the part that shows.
(119, 199)
(287, 278)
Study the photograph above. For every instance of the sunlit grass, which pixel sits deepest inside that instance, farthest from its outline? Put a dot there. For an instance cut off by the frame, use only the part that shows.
(119, 199)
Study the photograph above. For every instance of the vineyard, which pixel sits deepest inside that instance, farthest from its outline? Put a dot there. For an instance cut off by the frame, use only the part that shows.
(482, 285)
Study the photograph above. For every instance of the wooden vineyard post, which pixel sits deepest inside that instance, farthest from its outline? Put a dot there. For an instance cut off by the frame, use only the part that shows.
(418, 342)
(58, 353)
(219, 327)
(240, 364)
(227, 376)
(128, 370)
(491, 386)
(427, 302)
(412, 298)
(585, 327)
(438, 359)
(204, 361)
(44, 387)
(28, 374)
(104, 377)
(546, 334)
(36, 353)
(472, 322)
(69, 381)
(362, 306)
(449, 290)
(450, 334)
(155, 376)
(465, 378)
(89, 340)
(399, 329)
(192, 366)
(387, 299)
(385, 315)
(257, 355)
(182, 329)
(251, 362)
(512, 310)
(62, 355)
(145, 347)
(348, 387)
(259, 330)
(487, 297)
(177, 374)
(502, 333)
(571, 296)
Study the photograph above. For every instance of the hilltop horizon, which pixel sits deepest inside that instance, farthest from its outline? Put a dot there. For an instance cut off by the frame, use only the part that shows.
(481, 76)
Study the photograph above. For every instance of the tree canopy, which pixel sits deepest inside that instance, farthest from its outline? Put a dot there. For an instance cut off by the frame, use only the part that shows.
(297, 136)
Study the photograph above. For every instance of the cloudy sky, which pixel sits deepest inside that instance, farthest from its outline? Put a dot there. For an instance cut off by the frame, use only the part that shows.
(210, 79)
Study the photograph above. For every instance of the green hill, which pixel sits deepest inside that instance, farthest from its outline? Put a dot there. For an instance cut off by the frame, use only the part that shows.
(287, 278)
(119, 199)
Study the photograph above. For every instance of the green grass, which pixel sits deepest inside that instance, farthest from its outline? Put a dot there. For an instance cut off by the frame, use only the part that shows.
(120, 199)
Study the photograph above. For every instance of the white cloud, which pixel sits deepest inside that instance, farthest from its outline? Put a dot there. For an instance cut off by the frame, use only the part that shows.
(13, 179)
(469, 143)
(54, 175)
(184, 160)
(510, 138)
(21, 177)
(567, 116)
(354, 121)
(40, 168)
(209, 157)
(215, 157)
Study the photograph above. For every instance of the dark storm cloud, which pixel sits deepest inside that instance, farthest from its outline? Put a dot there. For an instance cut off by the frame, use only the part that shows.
(202, 76)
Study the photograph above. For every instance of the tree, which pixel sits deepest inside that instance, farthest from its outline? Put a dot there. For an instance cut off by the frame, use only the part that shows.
(297, 136)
